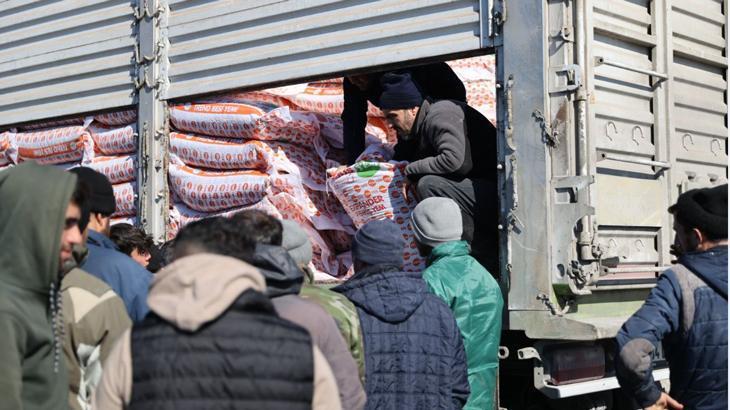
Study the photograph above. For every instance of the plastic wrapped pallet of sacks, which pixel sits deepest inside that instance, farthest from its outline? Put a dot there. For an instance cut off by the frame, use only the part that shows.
(371, 191)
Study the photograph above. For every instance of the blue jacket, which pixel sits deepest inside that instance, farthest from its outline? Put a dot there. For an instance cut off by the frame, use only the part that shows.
(125, 276)
(687, 313)
(414, 354)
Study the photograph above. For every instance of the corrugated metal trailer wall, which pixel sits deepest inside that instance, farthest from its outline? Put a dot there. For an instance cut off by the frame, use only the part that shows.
(64, 57)
(630, 112)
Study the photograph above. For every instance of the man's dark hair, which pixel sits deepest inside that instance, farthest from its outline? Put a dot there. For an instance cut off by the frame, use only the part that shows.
(161, 257)
(129, 238)
(80, 197)
(258, 227)
(214, 235)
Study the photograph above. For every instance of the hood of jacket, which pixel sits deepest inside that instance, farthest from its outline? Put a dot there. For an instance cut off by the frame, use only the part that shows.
(33, 202)
(197, 289)
(710, 266)
(385, 292)
(283, 276)
(446, 249)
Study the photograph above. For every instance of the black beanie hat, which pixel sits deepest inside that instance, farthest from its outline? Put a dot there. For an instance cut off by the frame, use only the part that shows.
(399, 91)
(704, 209)
(101, 194)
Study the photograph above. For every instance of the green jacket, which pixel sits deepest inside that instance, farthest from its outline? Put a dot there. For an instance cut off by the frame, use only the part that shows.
(33, 202)
(344, 313)
(476, 300)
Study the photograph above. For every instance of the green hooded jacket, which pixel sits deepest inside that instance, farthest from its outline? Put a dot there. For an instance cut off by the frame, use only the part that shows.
(476, 300)
(33, 202)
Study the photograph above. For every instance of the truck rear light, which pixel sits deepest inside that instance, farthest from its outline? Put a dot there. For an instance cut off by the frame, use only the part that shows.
(572, 364)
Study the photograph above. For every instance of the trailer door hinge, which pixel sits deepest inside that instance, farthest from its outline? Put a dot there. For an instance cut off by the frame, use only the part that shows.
(499, 16)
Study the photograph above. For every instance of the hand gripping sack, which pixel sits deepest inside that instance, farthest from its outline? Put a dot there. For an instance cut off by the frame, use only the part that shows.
(114, 140)
(54, 146)
(371, 191)
(210, 191)
(220, 153)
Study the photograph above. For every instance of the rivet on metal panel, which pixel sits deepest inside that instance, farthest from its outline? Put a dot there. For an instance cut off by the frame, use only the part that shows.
(500, 166)
(715, 147)
(687, 140)
(634, 135)
(611, 130)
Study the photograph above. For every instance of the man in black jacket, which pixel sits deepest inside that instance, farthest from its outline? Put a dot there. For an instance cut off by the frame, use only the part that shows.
(436, 80)
(452, 150)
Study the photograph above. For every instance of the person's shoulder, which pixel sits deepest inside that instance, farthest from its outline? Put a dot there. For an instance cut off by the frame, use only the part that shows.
(78, 278)
(110, 258)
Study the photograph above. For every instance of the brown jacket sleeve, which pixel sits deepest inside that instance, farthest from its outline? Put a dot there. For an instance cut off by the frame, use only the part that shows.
(94, 317)
(114, 391)
(326, 395)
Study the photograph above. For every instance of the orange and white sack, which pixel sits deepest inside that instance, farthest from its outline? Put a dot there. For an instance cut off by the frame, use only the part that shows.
(8, 152)
(331, 129)
(53, 124)
(283, 124)
(114, 140)
(371, 191)
(217, 119)
(220, 153)
(125, 196)
(181, 215)
(478, 76)
(327, 97)
(132, 220)
(304, 159)
(309, 204)
(323, 258)
(117, 169)
(54, 146)
(117, 118)
(210, 191)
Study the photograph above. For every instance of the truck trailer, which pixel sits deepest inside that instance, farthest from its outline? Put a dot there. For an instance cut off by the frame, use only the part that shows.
(607, 110)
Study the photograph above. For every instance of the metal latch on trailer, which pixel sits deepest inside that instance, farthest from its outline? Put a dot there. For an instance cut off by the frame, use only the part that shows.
(598, 60)
(566, 78)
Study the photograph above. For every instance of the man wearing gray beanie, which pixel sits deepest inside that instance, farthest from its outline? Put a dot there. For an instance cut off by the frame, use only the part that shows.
(414, 354)
(470, 291)
(296, 242)
(452, 152)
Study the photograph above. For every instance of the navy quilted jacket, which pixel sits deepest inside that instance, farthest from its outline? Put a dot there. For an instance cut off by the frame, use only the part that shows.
(414, 354)
(687, 313)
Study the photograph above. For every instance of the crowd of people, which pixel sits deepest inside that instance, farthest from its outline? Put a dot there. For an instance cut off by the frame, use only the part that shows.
(231, 318)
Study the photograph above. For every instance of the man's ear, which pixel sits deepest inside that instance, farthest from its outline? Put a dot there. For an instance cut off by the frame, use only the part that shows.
(698, 236)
